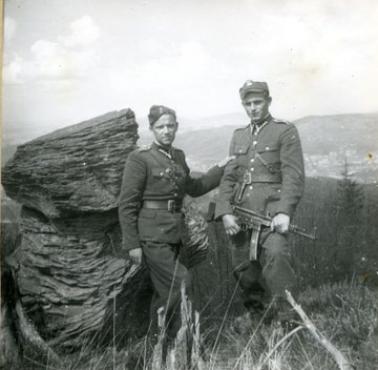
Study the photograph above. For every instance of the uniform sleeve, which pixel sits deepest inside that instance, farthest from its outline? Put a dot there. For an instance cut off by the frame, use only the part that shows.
(226, 188)
(292, 170)
(196, 187)
(133, 183)
(202, 185)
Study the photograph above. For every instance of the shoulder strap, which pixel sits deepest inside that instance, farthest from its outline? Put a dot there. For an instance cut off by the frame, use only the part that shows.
(144, 148)
(265, 163)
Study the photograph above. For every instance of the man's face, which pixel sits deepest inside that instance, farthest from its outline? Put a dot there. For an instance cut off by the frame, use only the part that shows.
(164, 130)
(257, 106)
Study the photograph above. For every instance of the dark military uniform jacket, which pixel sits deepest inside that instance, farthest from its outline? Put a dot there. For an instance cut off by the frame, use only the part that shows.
(267, 175)
(151, 174)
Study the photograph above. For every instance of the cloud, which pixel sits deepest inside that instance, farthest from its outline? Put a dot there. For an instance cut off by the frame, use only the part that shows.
(66, 59)
(187, 77)
(318, 57)
(51, 60)
(84, 32)
(186, 65)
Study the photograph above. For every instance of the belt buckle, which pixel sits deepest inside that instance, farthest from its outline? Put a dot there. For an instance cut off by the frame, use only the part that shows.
(171, 205)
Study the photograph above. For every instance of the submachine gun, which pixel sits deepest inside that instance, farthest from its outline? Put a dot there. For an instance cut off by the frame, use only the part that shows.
(255, 221)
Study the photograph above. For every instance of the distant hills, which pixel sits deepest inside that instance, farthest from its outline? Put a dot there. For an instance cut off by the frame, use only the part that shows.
(331, 141)
(328, 142)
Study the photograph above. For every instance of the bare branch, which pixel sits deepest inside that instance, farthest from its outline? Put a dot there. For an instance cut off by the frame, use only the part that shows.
(340, 359)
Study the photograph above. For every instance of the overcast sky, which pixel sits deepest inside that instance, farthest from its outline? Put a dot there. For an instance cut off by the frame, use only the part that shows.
(69, 60)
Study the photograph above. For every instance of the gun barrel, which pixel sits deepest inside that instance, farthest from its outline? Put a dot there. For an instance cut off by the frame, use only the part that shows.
(297, 230)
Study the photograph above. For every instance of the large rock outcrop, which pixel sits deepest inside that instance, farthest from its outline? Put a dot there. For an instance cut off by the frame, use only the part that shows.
(71, 279)
(75, 169)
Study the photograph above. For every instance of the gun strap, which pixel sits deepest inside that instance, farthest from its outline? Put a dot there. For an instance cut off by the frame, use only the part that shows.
(265, 163)
(211, 212)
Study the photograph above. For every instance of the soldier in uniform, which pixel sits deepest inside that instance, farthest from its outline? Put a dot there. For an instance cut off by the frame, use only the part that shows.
(267, 176)
(155, 180)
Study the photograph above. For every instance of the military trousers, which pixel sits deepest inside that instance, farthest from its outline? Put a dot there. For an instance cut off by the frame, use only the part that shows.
(166, 273)
(269, 276)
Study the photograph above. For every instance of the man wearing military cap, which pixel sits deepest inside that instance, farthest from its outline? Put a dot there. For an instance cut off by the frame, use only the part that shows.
(155, 180)
(267, 176)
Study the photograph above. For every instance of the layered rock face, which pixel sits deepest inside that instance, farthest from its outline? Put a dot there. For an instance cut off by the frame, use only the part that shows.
(76, 169)
(72, 279)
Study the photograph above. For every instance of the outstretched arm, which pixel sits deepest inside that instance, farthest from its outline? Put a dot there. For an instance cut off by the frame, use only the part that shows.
(227, 185)
(205, 183)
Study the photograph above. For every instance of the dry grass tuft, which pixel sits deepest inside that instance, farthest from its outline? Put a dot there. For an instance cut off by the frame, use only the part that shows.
(345, 313)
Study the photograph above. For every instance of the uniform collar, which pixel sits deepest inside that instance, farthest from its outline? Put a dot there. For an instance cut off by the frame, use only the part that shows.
(265, 120)
(257, 127)
(161, 149)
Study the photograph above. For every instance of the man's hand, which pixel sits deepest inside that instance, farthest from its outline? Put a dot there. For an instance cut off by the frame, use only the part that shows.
(136, 256)
(230, 224)
(280, 223)
(224, 161)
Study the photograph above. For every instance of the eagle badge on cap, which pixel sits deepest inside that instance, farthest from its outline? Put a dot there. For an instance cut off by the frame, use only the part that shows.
(250, 86)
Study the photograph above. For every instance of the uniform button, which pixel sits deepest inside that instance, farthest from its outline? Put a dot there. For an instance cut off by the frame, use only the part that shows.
(251, 187)
(252, 169)
(252, 160)
(161, 173)
(175, 194)
(255, 142)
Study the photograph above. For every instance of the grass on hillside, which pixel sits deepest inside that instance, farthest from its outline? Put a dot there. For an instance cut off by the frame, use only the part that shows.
(346, 313)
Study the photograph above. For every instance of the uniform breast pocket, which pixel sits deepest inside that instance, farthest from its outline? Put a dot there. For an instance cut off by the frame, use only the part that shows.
(159, 173)
(269, 153)
(240, 150)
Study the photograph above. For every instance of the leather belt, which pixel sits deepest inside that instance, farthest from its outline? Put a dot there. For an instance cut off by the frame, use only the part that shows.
(170, 205)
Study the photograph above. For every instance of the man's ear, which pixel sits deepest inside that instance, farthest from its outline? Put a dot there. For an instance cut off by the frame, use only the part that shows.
(177, 125)
(269, 100)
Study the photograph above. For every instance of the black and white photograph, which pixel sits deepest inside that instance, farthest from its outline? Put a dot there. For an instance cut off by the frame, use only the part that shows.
(189, 185)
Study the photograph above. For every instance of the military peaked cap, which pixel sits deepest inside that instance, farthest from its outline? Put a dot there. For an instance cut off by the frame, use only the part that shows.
(253, 87)
(156, 111)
